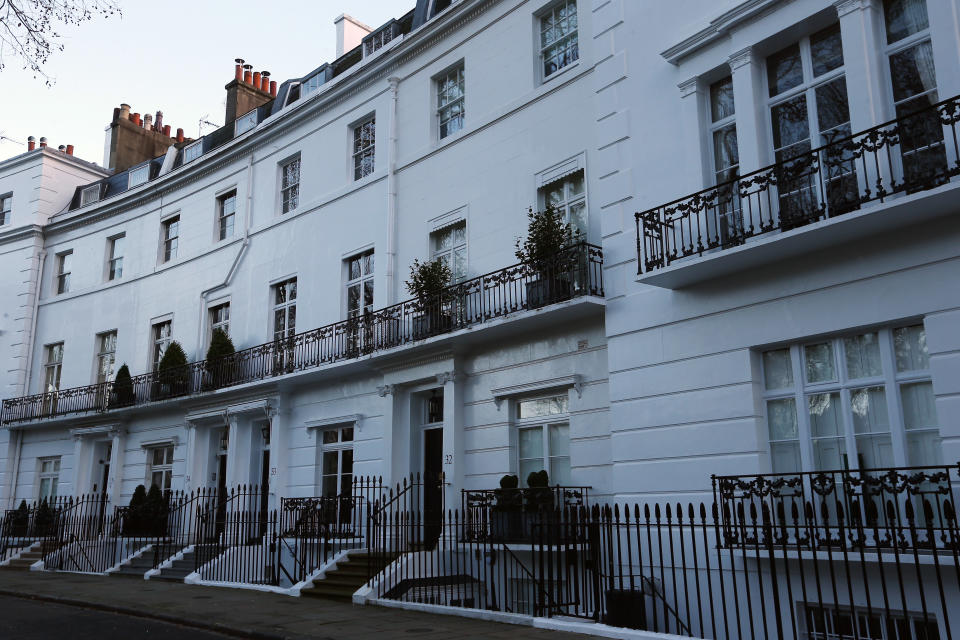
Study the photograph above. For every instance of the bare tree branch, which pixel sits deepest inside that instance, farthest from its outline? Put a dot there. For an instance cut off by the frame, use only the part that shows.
(28, 28)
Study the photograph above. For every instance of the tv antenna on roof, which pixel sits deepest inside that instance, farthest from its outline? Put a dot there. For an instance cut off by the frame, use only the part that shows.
(5, 137)
(204, 121)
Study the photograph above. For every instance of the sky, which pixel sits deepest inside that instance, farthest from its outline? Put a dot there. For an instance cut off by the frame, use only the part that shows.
(171, 55)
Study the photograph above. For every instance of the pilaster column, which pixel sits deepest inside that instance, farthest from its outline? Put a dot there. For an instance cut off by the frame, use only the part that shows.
(234, 474)
(749, 106)
(276, 481)
(944, 18)
(81, 468)
(115, 479)
(863, 43)
(193, 472)
(390, 453)
(693, 95)
(453, 437)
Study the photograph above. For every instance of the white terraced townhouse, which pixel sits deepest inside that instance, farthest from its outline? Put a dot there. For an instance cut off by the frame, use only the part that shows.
(736, 317)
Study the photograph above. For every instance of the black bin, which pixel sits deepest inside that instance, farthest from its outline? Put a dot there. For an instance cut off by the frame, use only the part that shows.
(625, 608)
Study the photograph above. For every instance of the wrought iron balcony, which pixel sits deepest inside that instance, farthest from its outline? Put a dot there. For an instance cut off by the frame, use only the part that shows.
(908, 508)
(577, 271)
(517, 515)
(913, 153)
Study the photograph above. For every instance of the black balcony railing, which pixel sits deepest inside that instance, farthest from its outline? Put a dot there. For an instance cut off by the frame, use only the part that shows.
(913, 153)
(909, 508)
(576, 271)
(510, 515)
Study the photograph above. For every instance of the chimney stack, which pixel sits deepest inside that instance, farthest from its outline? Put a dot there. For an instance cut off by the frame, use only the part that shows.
(43, 142)
(350, 33)
(31, 143)
(273, 88)
(247, 91)
(180, 137)
(132, 140)
(69, 149)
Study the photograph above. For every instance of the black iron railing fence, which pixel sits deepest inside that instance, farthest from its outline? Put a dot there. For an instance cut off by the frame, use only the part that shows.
(510, 514)
(576, 271)
(913, 153)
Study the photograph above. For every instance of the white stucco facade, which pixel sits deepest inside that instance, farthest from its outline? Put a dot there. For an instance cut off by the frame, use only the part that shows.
(663, 375)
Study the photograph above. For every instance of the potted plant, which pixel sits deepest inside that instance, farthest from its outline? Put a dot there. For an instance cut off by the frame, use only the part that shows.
(43, 520)
(173, 375)
(506, 515)
(429, 283)
(133, 519)
(218, 362)
(538, 509)
(123, 387)
(548, 255)
(17, 522)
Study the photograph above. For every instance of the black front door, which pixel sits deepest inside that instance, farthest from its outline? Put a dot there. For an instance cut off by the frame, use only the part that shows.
(432, 485)
(222, 495)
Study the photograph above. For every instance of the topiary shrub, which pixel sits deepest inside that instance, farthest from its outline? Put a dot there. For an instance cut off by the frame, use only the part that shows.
(539, 495)
(154, 512)
(429, 281)
(43, 519)
(17, 522)
(508, 497)
(133, 521)
(123, 387)
(547, 234)
(172, 372)
(218, 359)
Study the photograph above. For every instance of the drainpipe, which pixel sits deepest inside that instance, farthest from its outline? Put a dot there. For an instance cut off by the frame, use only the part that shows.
(248, 216)
(392, 194)
(24, 387)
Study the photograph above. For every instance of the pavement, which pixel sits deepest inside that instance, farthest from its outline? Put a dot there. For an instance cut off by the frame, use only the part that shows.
(208, 612)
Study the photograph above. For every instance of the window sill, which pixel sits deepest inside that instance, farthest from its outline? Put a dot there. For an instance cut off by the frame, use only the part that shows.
(559, 72)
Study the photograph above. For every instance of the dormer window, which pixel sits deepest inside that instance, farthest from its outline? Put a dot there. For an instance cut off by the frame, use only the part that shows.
(138, 176)
(244, 123)
(378, 40)
(90, 194)
(193, 151)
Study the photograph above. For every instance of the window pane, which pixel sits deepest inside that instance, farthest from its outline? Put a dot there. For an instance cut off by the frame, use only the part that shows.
(529, 466)
(863, 356)
(559, 440)
(330, 462)
(575, 183)
(346, 434)
(869, 408)
(829, 451)
(777, 369)
(820, 364)
(157, 457)
(874, 452)
(330, 436)
(721, 99)
(784, 70)
(791, 128)
(531, 443)
(725, 151)
(904, 17)
(346, 462)
(826, 50)
(559, 473)
(832, 108)
(923, 448)
(919, 407)
(782, 419)
(785, 457)
(912, 73)
(542, 407)
(910, 347)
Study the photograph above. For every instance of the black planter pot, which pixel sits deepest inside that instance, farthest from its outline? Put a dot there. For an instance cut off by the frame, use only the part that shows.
(625, 608)
(431, 324)
(548, 290)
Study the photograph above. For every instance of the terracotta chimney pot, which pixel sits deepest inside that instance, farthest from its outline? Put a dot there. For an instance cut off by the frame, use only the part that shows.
(179, 135)
(273, 88)
(69, 149)
(166, 130)
(43, 142)
(31, 143)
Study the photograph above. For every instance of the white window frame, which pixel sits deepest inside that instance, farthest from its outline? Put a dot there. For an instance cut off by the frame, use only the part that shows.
(360, 281)
(570, 199)
(358, 169)
(890, 379)
(114, 261)
(52, 366)
(106, 343)
(245, 123)
(807, 88)
(192, 151)
(89, 195)
(448, 254)
(52, 475)
(63, 275)
(339, 446)
(716, 126)
(165, 468)
(226, 220)
(550, 10)
(6, 206)
(218, 317)
(169, 244)
(446, 104)
(159, 341)
(543, 423)
(138, 175)
(289, 191)
(288, 286)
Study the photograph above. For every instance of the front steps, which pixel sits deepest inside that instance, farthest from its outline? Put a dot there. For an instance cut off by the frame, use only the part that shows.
(342, 581)
(136, 567)
(26, 558)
